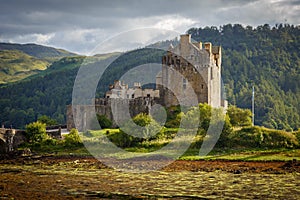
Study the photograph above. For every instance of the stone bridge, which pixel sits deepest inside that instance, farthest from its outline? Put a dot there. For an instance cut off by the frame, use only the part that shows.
(10, 139)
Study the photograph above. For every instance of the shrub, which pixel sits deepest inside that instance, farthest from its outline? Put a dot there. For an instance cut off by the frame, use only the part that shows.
(297, 134)
(73, 138)
(123, 140)
(50, 142)
(104, 121)
(263, 137)
(143, 126)
(173, 117)
(36, 132)
(239, 117)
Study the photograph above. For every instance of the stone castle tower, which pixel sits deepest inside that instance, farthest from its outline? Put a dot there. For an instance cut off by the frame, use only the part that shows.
(190, 64)
(190, 71)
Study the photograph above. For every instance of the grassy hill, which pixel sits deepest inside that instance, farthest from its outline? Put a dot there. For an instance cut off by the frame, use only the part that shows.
(16, 65)
(38, 51)
(18, 61)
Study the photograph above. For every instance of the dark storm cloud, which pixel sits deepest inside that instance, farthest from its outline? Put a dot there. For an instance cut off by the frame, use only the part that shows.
(62, 23)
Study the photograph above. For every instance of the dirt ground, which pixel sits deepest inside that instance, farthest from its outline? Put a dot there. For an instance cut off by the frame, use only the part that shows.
(74, 177)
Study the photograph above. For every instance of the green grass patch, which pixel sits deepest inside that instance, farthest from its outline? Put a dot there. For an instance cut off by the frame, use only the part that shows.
(245, 155)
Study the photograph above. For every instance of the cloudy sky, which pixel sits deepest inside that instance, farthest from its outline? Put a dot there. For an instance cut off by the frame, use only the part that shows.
(78, 25)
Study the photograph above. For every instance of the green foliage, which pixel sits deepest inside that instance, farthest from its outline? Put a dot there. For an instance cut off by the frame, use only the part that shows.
(47, 120)
(224, 139)
(36, 132)
(239, 117)
(16, 65)
(123, 140)
(259, 137)
(205, 115)
(297, 134)
(174, 115)
(191, 119)
(73, 138)
(143, 126)
(104, 122)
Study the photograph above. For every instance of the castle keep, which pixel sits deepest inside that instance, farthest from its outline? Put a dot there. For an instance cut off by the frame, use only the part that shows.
(190, 63)
(190, 70)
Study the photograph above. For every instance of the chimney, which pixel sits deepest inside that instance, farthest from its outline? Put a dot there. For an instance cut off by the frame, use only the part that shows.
(185, 39)
(207, 46)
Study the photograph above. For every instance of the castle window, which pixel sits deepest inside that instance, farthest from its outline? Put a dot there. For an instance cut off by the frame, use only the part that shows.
(119, 93)
(184, 83)
(107, 96)
(132, 96)
(148, 95)
(202, 86)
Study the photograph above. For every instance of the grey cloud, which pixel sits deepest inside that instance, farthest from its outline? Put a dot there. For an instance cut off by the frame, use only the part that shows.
(20, 19)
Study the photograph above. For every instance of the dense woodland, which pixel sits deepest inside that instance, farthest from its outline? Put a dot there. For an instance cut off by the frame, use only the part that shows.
(264, 57)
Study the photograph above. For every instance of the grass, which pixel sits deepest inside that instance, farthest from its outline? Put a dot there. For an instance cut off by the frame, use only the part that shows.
(92, 138)
(246, 155)
(16, 65)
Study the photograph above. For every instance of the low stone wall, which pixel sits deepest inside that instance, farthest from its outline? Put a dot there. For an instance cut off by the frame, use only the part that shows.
(10, 139)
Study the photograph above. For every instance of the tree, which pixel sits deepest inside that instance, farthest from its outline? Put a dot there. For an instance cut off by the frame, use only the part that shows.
(47, 120)
(239, 117)
(36, 132)
(142, 126)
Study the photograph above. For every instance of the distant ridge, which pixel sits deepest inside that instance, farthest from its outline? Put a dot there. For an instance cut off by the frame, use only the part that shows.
(38, 51)
(19, 61)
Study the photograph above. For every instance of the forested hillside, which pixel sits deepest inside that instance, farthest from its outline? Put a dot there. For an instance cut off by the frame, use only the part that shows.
(266, 57)
(48, 92)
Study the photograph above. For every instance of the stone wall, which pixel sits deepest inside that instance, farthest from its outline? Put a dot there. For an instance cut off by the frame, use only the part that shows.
(117, 110)
(10, 139)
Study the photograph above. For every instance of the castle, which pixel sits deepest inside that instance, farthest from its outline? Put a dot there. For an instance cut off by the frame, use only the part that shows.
(189, 70)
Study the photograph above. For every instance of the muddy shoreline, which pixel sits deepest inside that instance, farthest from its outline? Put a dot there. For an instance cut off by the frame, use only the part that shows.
(84, 177)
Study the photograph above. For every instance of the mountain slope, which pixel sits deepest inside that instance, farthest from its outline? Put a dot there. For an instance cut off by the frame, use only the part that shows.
(18, 61)
(38, 51)
(16, 65)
